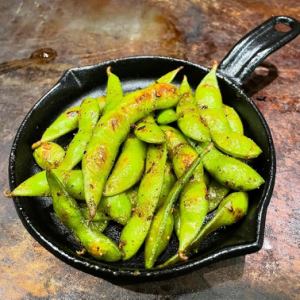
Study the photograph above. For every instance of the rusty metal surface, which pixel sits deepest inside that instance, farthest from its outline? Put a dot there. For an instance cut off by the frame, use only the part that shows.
(91, 31)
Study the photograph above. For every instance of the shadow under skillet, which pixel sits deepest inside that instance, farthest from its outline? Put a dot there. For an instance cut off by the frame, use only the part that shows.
(223, 271)
(263, 75)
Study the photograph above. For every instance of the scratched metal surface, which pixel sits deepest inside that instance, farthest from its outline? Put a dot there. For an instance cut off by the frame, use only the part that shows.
(199, 31)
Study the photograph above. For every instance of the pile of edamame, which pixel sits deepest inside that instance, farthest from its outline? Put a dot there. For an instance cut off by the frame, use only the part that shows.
(155, 160)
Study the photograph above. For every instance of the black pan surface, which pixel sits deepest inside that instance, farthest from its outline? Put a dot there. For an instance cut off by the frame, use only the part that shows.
(137, 72)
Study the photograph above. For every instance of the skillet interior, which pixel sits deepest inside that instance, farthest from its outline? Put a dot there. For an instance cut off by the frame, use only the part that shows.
(37, 214)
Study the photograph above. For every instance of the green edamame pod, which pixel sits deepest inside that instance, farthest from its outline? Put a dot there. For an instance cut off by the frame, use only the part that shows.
(136, 229)
(208, 93)
(182, 154)
(236, 145)
(233, 119)
(114, 92)
(151, 239)
(112, 129)
(67, 210)
(117, 207)
(166, 210)
(169, 77)
(166, 116)
(169, 180)
(37, 185)
(188, 113)
(148, 131)
(215, 120)
(88, 117)
(64, 123)
(193, 208)
(49, 155)
(128, 169)
(215, 194)
(231, 172)
(232, 209)
(99, 226)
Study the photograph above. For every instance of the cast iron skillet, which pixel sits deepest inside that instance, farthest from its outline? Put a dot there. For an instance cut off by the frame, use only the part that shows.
(136, 72)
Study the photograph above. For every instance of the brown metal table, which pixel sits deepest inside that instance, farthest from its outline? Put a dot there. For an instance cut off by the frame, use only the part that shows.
(200, 31)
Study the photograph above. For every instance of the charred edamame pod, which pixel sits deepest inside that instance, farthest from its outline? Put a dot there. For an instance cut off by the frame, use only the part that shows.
(67, 210)
(236, 145)
(233, 119)
(166, 116)
(231, 172)
(188, 113)
(64, 123)
(136, 229)
(148, 131)
(128, 168)
(49, 155)
(114, 92)
(88, 117)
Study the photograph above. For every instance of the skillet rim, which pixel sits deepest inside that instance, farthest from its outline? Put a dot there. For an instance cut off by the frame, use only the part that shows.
(111, 271)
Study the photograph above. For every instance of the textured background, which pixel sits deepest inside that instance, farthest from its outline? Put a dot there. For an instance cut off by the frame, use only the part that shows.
(91, 31)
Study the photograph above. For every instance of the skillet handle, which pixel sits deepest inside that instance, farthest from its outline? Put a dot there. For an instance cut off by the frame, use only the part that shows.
(259, 43)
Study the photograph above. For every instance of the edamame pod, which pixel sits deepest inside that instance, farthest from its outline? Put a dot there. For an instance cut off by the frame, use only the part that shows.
(117, 207)
(64, 123)
(100, 221)
(215, 194)
(166, 116)
(133, 195)
(236, 145)
(215, 120)
(136, 229)
(88, 117)
(231, 210)
(111, 131)
(231, 172)
(233, 119)
(151, 257)
(188, 113)
(67, 210)
(208, 94)
(169, 77)
(49, 155)
(193, 208)
(114, 92)
(37, 185)
(176, 221)
(128, 169)
(166, 209)
(182, 154)
(169, 180)
(148, 131)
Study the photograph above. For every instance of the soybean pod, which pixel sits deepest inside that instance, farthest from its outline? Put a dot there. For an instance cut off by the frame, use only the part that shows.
(112, 129)
(114, 92)
(166, 116)
(49, 155)
(64, 123)
(68, 212)
(128, 168)
(188, 113)
(148, 131)
(136, 229)
(88, 117)
(233, 119)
